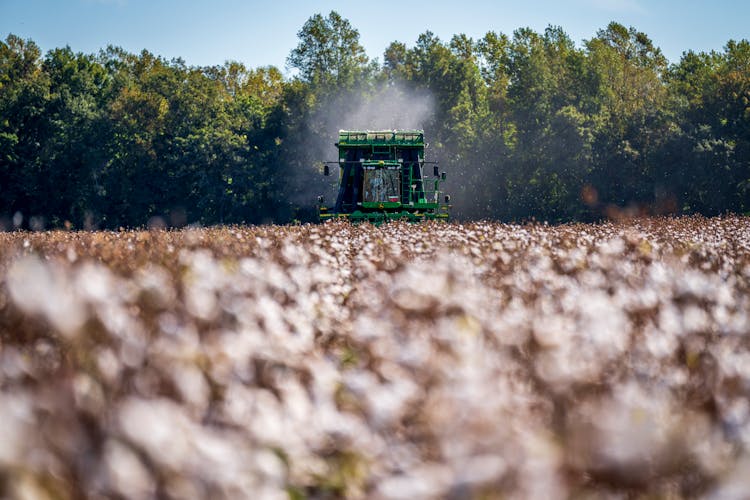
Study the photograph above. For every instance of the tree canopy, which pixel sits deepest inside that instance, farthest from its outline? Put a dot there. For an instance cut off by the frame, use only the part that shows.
(528, 125)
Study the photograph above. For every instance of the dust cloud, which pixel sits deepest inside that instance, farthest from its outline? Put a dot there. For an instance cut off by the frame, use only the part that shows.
(386, 107)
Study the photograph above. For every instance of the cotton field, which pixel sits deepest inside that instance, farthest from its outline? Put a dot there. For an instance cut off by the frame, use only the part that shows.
(475, 360)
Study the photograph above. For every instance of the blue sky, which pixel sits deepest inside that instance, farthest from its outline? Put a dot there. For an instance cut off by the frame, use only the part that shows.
(262, 33)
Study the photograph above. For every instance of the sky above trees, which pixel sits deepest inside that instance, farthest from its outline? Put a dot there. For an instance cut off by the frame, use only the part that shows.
(263, 33)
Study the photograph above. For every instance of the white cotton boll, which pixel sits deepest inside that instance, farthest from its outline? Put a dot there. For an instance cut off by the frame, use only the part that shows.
(267, 420)
(592, 279)
(95, 283)
(636, 433)
(295, 400)
(325, 381)
(156, 282)
(191, 384)
(660, 275)
(386, 402)
(41, 290)
(552, 330)
(561, 367)
(725, 294)
(159, 427)
(659, 343)
(133, 351)
(481, 469)
(269, 466)
(16, 428)
(117, 320)
(205, 267)
(126, 474)
(359, 382)
(12, 363)
(695, 284)
(169, 324)
(577, 344)
(293, 253)
(613, 247)
(734, 363)
(271, 315)
(215, 458)
(736, 413)
(604, 323)
(201, 302)
(346, 430)
(229, 462)
(204, 277)
(108, 364)
(644, 298)
(695, 319)
(88, 394)
(540, 472)
(231, 353)
(670, 320)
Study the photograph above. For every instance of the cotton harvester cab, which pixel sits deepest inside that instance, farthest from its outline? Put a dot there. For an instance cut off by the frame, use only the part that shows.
(382, 178)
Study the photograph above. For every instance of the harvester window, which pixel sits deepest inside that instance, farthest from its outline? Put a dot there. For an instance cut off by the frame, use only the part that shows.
(381, 185)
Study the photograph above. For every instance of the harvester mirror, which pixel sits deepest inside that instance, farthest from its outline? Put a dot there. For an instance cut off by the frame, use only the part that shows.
(320, 199)
(442, 176)
(447, 198)
(435, 171)
(326, 170)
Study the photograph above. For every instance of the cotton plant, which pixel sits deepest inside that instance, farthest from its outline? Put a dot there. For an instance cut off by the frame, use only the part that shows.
(432, 360)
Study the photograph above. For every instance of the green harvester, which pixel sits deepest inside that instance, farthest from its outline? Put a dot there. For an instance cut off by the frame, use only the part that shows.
(381, 179)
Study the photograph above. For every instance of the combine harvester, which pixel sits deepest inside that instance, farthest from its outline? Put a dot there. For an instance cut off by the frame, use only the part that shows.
(381, 179)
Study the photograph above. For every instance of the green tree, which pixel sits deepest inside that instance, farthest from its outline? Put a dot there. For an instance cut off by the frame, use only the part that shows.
(524, 124)
(710, 93)
(551, 157)
(329, 54)
(73, 153)
(461, 127)
(627, 71)
(24, 94)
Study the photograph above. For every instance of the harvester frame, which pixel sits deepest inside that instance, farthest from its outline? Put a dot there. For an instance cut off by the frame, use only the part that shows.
(381, 179)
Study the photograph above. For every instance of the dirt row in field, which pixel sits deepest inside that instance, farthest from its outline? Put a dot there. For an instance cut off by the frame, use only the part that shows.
(405, 361)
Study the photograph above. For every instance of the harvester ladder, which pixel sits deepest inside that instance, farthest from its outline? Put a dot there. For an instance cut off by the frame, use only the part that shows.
(405, 183)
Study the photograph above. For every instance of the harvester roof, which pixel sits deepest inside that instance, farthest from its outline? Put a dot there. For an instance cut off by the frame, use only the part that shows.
(414, 138)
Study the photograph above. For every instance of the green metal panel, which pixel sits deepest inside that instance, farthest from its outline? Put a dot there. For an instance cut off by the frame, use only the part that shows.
(409, 138)
(362, 151)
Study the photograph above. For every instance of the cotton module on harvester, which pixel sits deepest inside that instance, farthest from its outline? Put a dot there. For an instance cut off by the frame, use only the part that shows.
(381, 178)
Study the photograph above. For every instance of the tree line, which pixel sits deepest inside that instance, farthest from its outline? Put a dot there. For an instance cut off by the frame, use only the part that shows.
(528, 126)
